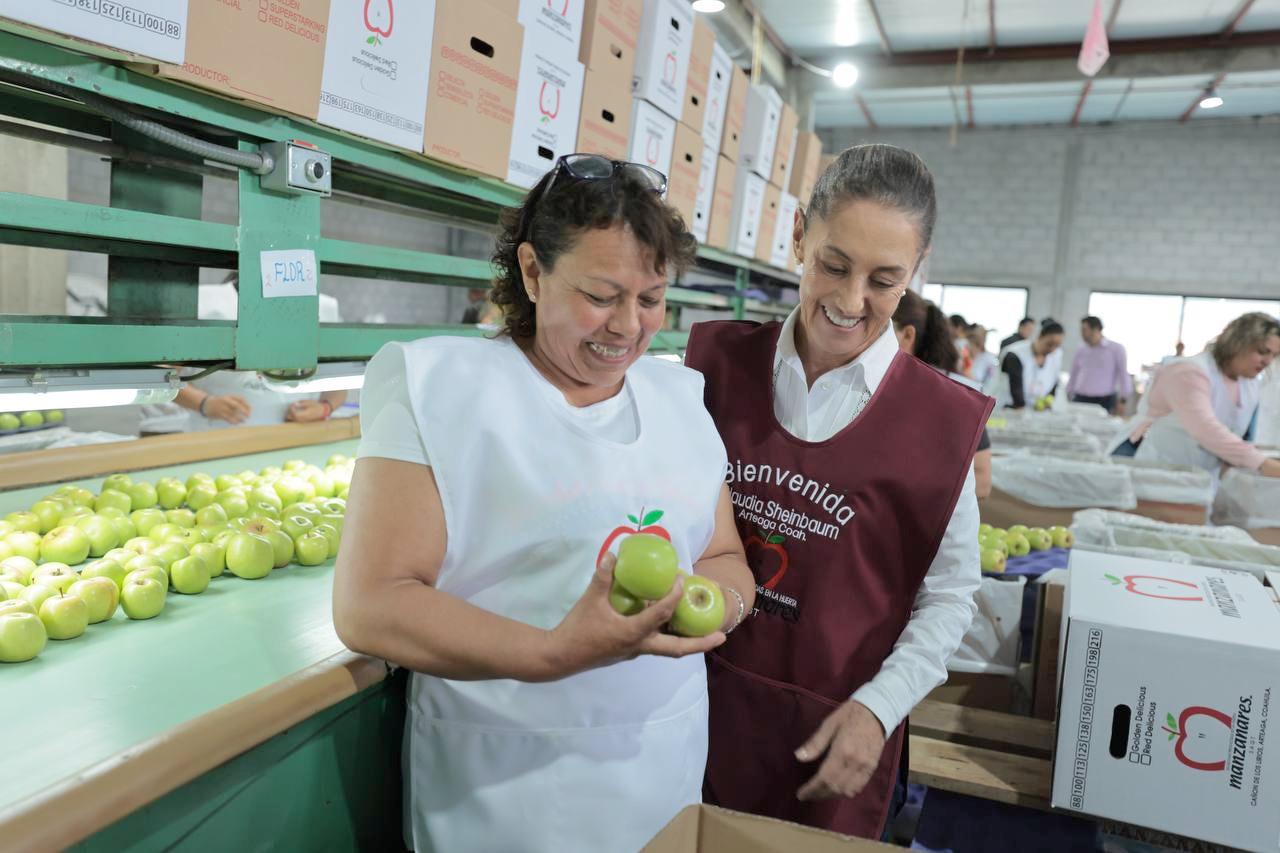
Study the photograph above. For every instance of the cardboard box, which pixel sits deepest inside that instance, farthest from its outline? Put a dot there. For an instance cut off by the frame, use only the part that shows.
(559, 24)
(1169, 673)
(153, 28)
(804, 171)
(768, 218)
(722, 208)
(653, 136)
(700, 828)
(472, 97)
(760, 131)
(548, 99)
(686, 167)
(604, 125)
(701, 225)
(233, 52)
(719, 76)
(376, 70)
(780, 254)
(735, 115)
(785, 148)
(610, 30)
(748, 200)
(662, 54)
(695, 87)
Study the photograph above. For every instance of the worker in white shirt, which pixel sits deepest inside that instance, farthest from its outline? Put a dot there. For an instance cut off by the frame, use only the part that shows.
(850, 464)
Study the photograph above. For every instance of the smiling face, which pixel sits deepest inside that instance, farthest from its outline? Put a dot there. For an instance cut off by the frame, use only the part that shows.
(857, 263)
(598, 308)
(1251, 361)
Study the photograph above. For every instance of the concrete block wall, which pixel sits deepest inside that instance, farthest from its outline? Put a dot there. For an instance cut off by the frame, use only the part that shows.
(1156, 207)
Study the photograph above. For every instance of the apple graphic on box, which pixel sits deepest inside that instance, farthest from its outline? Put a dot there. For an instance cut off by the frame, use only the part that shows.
(107, 568)
(1154, 586)
(25, 543)
(170, 492)
(31, 420)
(142, 597)
(64, 616)
(67, 544)
(189, 576)
(143, 495)
(993, 560)
(181, 517)
(24, 520)
(214, 557)
(9, 422)
(700, 610)
(19, 567)
(1062, 537)
(1181, 731)
(311, 548)
(49, 512)
(101, 595)
(250, 556)
(101, 532)
(767, 557)
(146, 519)
(646, 566)
(201, 494)
(22, 636)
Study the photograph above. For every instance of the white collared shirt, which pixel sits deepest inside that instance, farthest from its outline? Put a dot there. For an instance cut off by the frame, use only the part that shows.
(944, 605)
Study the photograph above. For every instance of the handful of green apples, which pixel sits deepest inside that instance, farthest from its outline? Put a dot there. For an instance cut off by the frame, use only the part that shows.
(647, 569)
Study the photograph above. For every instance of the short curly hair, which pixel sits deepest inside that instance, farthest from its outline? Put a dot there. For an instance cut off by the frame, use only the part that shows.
(553, 224)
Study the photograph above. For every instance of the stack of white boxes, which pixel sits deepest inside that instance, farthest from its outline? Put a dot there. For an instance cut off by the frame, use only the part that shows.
(549, 94)
(610, 36)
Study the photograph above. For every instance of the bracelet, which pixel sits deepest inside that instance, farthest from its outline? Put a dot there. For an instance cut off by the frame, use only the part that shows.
(203, 400)
(742, 610)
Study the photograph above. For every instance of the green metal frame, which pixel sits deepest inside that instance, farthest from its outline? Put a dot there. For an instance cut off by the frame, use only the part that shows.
(155, 239)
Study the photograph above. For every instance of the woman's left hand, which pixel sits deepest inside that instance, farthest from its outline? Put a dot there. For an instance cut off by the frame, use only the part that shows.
(305, 411)
(852, 738)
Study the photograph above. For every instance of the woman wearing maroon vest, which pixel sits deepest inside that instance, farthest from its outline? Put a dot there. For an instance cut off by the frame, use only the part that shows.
(850, 465)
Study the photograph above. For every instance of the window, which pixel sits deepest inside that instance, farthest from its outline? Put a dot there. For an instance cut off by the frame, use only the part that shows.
(998, 308)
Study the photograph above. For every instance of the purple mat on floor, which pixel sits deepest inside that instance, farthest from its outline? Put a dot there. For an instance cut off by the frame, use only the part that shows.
(954, 823)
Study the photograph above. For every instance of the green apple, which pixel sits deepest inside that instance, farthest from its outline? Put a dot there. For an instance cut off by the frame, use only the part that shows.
(6, 550)
(22, 636)
(24, 520)
(332, 534)
(201, 494)
(250, 556)
(145, 519)
(12, 589)
(337, 459)
(311, 548)
(143, 494)
(16, 576)
(142, 597)
(223, 537)
(164, 532)
(49, 512)
(120, 555)
(210, 531)
(119, 482)
(64, 616)
(307, 508)
(262, 509)
(1019, 545)
(113, 498)
(30, 420)
(234, 502)
(646, 566)
(214, 557)
(20, 566)
(984, 529)
(9, 422)
(101, 595)
(189, 576)
(6, 527)
(342, 493)
(170, 492)
(125, 529)
(293, 464)
(57, 575)
(17, 605)
(76, 511)
(1018, 528)
(259, 525)
(700, 610)
(169, 552)
(107, 568)
(77, 495)
(623, 601)
(993, 560)
(226, 481)
(334, 519)
(267, 495)
(1039, 538)
(25, 543)
(211, 515)
(323, 484)
(54, 416)
(101, 532)
(294, 490)
(156, 573)
(181, 517)
(238, 523)
(141, 544)
(67, 544)
(282, 544)
(111, 512)
(142, 561)
(296, 525)
(271, 471)
(332, 506)
(1062, 537)
(36, 594)
(247, 476)
(198, 477)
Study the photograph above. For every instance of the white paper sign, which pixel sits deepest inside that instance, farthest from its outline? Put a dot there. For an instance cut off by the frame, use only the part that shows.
(288, 272)
(155, 28)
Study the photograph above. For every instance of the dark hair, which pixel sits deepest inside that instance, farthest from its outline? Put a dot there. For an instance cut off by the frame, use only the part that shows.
(1025, 320)
(959, 320)
(1092, 322)
(933, 345)
(1245, 331)
(892, 176)
(553, 225)
(1051, 327)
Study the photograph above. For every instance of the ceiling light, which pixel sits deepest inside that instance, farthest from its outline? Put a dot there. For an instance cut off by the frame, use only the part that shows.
(845, 74)
(708, 6)
(81, 389)
(1211, 100)
(333, 376)
(846, 32)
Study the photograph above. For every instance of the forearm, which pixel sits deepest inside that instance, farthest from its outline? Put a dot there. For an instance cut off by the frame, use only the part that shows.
(190, 397)
(334, 398)
(731, 572)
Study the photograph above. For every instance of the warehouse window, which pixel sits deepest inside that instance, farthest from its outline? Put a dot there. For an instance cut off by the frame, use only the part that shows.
(997, 308)
(1150, 325)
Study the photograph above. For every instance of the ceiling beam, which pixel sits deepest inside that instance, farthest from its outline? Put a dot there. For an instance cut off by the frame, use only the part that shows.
(884, 37)
(1195, 103)
(991, 26)
(866, 113)
(1084, 94)
(1237, 19)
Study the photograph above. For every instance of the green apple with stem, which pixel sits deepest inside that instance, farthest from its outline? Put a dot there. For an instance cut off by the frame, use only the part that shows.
(211, 515)
(57, 575)
(142, 597)
(262, 509)
(66, 544)
(49, 512)
(624, 602)
(1062, 537)
(101, 595)
(24, 543)
(181, 517)
(105, 567)
(24, 520)
(22, 636)
(296, 525)
(1019, 545)
(700, 610)
(148, 571)
(170, 492)
(332, 534)
(189, 576)
(238, 523)
(1039, 539)
(64, 616)
(307, 508)
(266, 495)
(311, 548)
(141, 544)
(250, 556)
(17, 568)
(646, 566)
(201, 494)
(101, 532)
(214, 557)
(145, 519)
(292, 490)
(188, 537)
(119, 482)
(36, 594)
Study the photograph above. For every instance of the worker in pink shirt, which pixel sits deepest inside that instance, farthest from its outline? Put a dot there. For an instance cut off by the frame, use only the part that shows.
(1099, 371)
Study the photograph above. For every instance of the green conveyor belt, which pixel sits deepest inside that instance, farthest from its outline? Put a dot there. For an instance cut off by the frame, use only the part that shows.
(84, 700)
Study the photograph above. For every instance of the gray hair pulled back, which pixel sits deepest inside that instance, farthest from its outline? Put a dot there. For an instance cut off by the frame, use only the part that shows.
(891, 176)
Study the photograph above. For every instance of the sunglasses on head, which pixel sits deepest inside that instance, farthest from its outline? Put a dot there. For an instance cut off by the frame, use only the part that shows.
(594, 167)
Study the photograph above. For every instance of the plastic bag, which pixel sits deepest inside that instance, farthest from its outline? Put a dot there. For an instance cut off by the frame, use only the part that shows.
(1220, 547)
(1247, 500)
(991, 643)
(1057, 483)
(1168, 483)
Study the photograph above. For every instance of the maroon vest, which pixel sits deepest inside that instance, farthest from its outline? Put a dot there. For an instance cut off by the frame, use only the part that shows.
(839, 534)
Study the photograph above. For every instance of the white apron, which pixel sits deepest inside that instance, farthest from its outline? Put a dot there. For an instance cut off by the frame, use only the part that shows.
(603, 759)
(1036, 379)
(266, 405)
(1168, 441)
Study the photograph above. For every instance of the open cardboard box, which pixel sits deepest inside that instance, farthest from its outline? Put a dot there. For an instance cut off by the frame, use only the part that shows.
(710, 829)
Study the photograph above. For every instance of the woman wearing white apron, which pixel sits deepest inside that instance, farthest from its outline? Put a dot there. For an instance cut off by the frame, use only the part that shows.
(495, 477)
(1029, 369)
(1198, 409)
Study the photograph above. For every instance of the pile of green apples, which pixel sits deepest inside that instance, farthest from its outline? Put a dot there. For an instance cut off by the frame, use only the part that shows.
(647, 569)
(73, 557)
(998, 545)
(10, 421)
